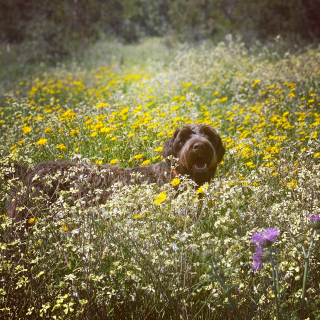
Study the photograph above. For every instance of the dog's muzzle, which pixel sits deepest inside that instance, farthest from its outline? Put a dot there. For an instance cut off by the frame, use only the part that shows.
(198, 155)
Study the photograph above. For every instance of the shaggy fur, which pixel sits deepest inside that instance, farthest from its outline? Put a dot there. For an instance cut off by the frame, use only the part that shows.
(197, 148)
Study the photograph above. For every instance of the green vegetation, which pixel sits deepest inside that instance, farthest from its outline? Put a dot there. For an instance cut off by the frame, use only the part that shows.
(150, 253)
(50, 30)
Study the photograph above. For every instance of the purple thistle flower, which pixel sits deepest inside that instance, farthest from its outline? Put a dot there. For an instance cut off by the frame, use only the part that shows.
(257, 258)
(313, 219)
(269, 234)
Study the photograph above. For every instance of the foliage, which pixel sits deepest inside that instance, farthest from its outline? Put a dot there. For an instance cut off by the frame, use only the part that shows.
(50, 30)
(155, 253)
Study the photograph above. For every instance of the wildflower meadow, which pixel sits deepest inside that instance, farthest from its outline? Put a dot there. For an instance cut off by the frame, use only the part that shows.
(245, 246)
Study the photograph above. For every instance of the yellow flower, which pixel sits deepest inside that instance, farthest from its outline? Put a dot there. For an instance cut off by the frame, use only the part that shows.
(41, 142)
(123, 111)
(175, 181)
(62, 147)
(32, 220)
(102, 104)
(113, 161)
(26, 129)
(93, 134)
(159, 149)
(105, 129)
(267, 157)
(47, 130)
(74, 132)
(130, 135)
(317, 154)
(64, 227)
(98, 161)
(269, 164)
(255, 82)
(202, 188)
(156, 157)
(223, 99)
(138, 216)
(13, 147)
(160, 198)
(138, 156)
(106, 149)
(292, 184)
(145, 162)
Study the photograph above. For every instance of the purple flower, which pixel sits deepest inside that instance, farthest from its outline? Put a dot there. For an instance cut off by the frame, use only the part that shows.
(269, 234)
(313, 219)
(257, 258)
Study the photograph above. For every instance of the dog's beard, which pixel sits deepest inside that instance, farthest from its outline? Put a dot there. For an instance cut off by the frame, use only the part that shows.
(202, 177)
(199, 166)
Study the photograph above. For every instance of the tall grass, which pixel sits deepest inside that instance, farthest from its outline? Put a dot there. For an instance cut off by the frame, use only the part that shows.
(183, 257)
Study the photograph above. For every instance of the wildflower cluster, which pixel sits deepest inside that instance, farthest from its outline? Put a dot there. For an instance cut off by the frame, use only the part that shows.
(147, 251)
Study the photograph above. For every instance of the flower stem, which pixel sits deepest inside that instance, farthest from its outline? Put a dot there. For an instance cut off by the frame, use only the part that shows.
(305, 275)
(276, 287)
(306, 266)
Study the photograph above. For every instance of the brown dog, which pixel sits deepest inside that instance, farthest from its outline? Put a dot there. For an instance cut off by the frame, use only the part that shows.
(197, 148)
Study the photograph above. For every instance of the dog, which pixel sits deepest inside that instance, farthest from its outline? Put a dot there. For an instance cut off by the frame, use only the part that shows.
(193, 151)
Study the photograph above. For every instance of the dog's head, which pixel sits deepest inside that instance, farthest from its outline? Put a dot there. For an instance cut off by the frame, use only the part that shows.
(198, 148)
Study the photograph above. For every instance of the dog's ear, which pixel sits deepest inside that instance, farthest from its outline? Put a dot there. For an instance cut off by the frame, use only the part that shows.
(219, 149)
(217, 144)
(167, 149)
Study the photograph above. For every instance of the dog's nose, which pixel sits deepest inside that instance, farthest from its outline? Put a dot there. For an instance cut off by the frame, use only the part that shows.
(199, 146)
